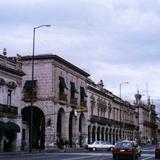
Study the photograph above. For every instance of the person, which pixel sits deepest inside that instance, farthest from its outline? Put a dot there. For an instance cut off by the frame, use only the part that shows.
(61, 143)
(58, 142)
(66, 143)
(23, 144)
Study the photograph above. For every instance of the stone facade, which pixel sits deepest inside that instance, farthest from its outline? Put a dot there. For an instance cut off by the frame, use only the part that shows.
(69, 106)
(10, 103)
(146, 120)
(110, 118)
(60, 89)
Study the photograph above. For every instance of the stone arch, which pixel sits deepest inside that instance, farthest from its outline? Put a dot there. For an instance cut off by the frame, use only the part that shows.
(110, 135)
(37, 128)
(93, 133)
(102, 134)
(113, 133)
(82, 126)
(89, 134)
(72, 125)
(116, 135)
(106, 134)
(98, 133)
(60, 122)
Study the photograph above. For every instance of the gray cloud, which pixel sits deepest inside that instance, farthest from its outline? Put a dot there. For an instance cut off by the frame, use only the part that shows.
(113, 40)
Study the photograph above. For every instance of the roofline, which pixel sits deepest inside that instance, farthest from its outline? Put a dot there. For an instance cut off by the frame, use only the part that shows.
(57, 58)
(10, 70)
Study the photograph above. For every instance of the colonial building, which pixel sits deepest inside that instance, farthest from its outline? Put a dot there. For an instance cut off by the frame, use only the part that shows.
(56, 99)
(158, 129)
(65, 104)
(146, 120)
(109, 117)
(10, 107)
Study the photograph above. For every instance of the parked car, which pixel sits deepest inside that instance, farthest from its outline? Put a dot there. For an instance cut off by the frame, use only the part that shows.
(98, 145)
(126, 149)
(157, 151)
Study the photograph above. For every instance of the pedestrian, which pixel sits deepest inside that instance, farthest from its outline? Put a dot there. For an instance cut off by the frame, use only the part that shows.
(23, 144)
(61, 143)
(66, 143)
(58, 142)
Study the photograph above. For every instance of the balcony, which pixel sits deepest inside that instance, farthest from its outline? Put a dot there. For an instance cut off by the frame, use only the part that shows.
(4, 109)
(83, 103)
(28, 96)
(150, 124)
(94, 118)
(100, 120)
(74, 102)
(63, 97)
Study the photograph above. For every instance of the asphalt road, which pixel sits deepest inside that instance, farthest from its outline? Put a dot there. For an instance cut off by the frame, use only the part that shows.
(147, 154)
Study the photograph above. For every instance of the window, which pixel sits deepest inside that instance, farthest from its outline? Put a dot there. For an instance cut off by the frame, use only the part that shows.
(73, 90)
(83, 95)
(62, 88)
(30, 90)
(9, 98)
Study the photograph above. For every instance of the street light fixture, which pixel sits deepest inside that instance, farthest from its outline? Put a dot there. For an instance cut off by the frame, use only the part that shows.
(31, 111)
(120, 87)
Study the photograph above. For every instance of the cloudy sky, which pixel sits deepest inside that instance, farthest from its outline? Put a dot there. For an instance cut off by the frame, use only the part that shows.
(113, 40)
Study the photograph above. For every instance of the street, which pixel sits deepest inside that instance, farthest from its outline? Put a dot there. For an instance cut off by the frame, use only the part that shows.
(147, 154)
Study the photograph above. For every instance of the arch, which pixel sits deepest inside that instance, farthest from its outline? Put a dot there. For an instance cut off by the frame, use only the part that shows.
(98, 133)
(113, 133)
(60, 122)
(71, 127)
(89, 134)
(81, 128)
(110, 135)
(93, 133)
(38, 126)
(102, 134)
(106, 134)
(116, 135)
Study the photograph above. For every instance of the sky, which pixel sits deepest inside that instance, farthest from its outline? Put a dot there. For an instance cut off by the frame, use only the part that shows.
(113, 40)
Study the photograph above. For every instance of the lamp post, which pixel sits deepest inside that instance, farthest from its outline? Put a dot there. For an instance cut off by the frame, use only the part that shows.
(120, 87)
(31, 109)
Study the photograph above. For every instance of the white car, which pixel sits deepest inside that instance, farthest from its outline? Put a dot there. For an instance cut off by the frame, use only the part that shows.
(97, 145)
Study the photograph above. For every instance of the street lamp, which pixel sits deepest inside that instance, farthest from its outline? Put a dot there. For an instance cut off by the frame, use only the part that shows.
(31, 112)
(120, 86)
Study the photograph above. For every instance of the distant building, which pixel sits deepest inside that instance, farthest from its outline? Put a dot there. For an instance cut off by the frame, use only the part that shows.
(10, 103)
(146, 120)
(109, 117)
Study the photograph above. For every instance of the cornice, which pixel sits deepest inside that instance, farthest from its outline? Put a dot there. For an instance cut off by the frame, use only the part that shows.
(58, 59)
(10, 70)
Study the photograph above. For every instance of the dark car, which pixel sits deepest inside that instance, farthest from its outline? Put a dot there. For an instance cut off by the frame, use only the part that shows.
(125, 149)
(157, 151)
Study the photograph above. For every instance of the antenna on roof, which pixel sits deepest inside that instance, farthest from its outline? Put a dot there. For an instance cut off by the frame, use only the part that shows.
(147, 89)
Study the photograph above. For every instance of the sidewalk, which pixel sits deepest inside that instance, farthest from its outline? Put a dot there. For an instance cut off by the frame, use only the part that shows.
(37, 151)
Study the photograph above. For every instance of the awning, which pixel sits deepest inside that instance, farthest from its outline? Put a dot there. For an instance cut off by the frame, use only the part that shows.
(83, 93)
(2, 126)
(62, 82)
(12, 127)
(73, 88)
(30, 84)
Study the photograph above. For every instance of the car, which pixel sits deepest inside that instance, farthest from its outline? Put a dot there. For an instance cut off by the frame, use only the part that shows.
(99, 145)
(157, 151)
(126, 149)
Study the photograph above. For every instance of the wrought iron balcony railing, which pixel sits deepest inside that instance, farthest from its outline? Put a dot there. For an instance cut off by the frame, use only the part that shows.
(4, 109)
